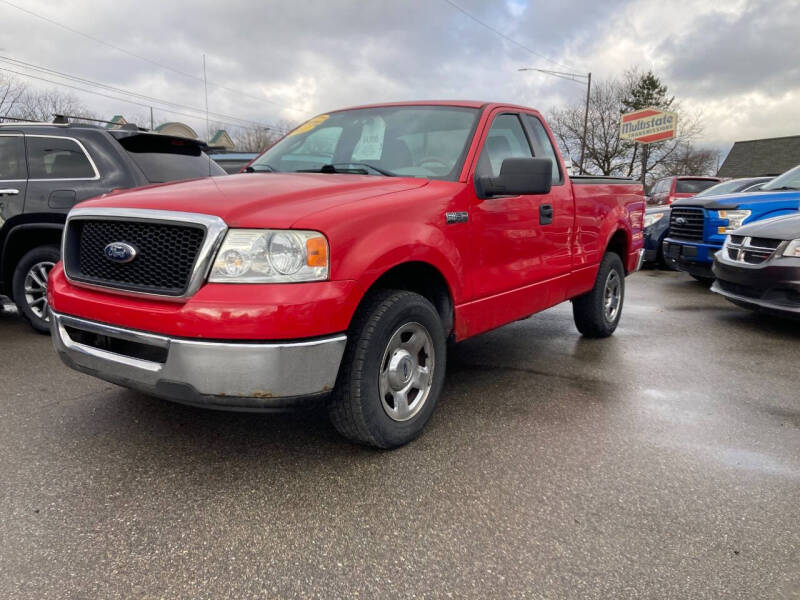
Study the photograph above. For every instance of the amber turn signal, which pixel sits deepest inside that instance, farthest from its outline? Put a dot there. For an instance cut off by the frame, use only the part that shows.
(317, 252)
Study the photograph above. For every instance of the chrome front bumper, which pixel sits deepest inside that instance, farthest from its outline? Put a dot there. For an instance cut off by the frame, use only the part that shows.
(231, 375)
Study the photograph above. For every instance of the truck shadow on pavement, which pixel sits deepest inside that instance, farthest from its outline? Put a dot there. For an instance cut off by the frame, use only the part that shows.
(481, 399)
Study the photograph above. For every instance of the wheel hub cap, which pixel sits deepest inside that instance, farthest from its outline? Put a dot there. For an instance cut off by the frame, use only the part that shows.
(406, 372)
(36, 289)
(612, 296)
(401, 367)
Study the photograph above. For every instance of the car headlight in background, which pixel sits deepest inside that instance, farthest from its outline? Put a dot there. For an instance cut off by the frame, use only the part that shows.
(271, 256)
(793, 249)
(735, 219)
(652, 218)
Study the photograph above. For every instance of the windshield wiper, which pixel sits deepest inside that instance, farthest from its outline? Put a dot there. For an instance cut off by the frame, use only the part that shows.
(342, 168)
(265, 169)
(780, 189)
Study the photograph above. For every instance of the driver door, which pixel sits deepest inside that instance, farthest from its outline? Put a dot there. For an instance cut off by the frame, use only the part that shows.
(506, 230)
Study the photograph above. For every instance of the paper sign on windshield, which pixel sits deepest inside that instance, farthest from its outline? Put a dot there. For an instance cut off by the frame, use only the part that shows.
(370, 146)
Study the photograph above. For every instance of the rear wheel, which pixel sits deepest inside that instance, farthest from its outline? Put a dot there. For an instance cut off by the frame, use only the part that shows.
(597, 312)
(392, 371)
(29, 286)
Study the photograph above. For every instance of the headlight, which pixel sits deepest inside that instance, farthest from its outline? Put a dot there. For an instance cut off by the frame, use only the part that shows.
(652, 218)
(735, 219)
(793, 249)
(270, 256)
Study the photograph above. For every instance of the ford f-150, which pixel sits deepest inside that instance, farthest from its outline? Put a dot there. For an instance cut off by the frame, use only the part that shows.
(342, 262)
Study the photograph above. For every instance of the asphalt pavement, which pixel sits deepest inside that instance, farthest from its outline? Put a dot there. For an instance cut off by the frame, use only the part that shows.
(663, 462)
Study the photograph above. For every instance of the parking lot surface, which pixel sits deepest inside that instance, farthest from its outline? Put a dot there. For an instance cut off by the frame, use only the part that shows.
(661, 463)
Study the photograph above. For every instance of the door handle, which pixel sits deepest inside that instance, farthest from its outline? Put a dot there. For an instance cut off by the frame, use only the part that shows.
(9, 192)
(545, 214)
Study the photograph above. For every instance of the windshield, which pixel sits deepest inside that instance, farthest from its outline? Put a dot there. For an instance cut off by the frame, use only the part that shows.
(727, 187)
(693, 186)
(788, 181)
(415, 141)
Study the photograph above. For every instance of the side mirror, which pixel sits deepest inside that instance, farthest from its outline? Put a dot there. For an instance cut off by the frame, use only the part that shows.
(518, 176)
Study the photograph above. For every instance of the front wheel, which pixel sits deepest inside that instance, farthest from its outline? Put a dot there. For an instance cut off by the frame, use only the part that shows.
(392, 371)
(597, 312)
(29, 286)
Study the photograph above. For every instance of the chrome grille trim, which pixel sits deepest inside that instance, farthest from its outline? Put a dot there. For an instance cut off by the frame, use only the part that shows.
(744, 251)
(215, 232)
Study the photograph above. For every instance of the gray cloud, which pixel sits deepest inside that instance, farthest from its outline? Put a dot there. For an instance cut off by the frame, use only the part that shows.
(317, 55)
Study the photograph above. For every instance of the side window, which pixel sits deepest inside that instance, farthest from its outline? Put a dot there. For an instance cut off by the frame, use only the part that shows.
(506, 139)
(57, 158)
(542, 146)
(12, 157)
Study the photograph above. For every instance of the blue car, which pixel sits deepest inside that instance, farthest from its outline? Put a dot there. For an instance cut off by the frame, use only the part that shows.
(656, 226)
(698, 226)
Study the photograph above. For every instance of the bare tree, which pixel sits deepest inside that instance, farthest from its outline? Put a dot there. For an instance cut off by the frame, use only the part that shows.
(11, 92)
(41, 105)
(688, 160)
(258, 139)
(606, 153)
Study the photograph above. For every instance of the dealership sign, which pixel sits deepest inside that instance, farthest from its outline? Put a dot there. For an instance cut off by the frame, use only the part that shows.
(648, 125)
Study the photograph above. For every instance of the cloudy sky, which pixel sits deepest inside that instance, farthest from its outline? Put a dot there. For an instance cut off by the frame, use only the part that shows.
(735, 62)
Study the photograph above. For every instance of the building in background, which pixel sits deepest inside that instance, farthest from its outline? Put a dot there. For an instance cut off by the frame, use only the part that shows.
(221, 141)
(754, 158)
(178, 129)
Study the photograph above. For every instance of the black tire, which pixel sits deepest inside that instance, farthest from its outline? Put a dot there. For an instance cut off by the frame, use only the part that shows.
(703, 279)
(592, 318)
(30, 304)
(356, 407)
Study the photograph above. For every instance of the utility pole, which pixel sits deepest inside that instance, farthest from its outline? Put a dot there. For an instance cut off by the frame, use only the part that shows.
(576, 77)
(205, 85)
(151, 119)
(586, 118)
(644, 162)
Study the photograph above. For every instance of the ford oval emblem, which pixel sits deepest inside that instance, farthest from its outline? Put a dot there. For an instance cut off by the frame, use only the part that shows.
(120, 252)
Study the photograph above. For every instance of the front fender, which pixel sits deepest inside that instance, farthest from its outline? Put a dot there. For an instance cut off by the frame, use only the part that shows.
(374, 253)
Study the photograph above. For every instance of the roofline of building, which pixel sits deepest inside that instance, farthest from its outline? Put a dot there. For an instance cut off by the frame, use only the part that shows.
(769, 139)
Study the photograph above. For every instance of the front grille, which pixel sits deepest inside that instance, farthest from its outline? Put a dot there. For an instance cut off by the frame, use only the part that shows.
(751, 250)
(686, 224)
(768, 243)
(165, 254)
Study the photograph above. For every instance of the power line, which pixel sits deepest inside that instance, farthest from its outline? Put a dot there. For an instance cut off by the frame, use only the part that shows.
(500, 33)
(74, 78)
(149, 60)
(117, 98)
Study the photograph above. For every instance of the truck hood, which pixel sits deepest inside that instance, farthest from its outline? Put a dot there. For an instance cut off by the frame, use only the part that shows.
(784, 199)
(259, 199)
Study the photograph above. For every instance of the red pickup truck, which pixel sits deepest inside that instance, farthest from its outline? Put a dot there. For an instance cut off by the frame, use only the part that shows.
(341, 262)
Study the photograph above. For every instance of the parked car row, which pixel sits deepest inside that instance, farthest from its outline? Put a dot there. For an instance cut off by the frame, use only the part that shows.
(743, 235)
(657, 218)
(699, 226)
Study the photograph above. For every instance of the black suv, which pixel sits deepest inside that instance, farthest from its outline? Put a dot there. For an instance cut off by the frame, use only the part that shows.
(46, 168)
